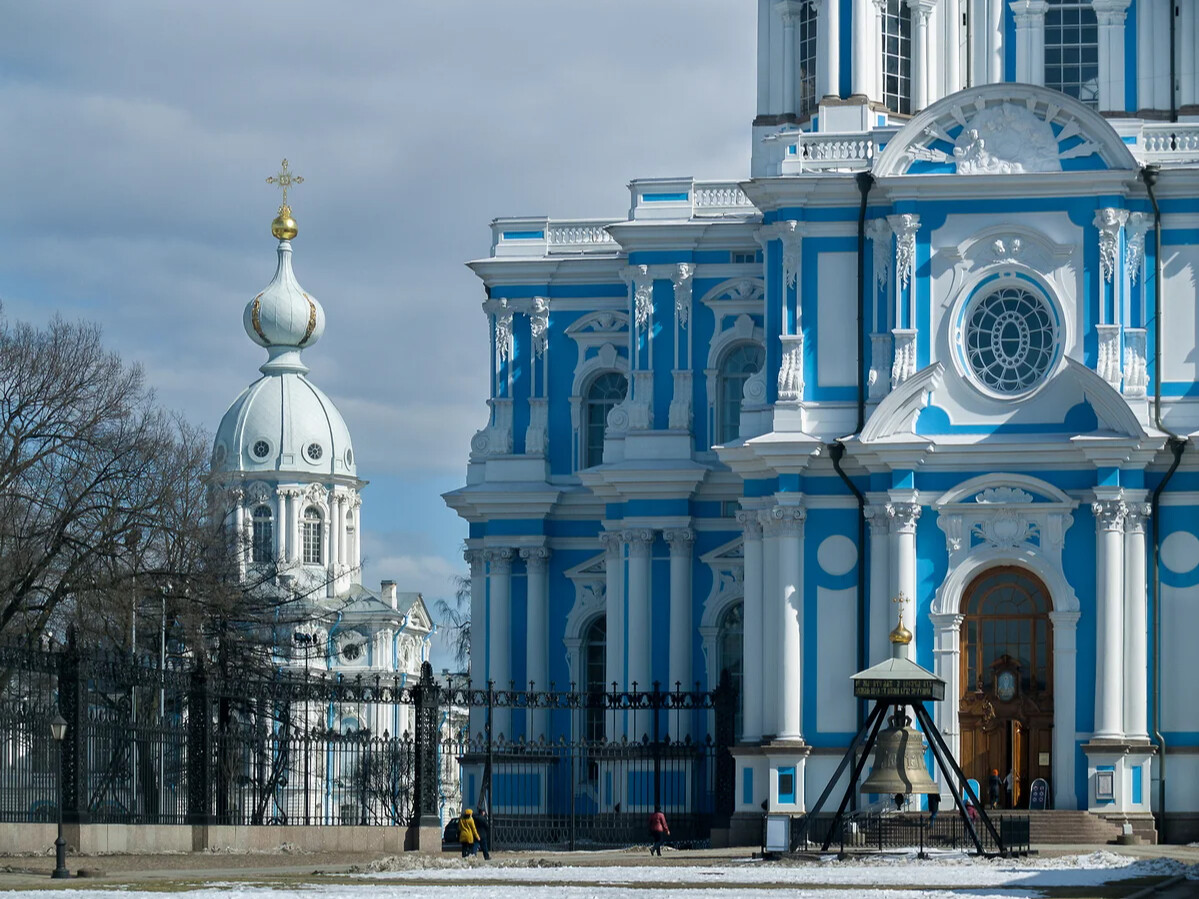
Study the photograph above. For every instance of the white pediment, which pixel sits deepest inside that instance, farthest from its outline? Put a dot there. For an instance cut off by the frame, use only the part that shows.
(1004, 129)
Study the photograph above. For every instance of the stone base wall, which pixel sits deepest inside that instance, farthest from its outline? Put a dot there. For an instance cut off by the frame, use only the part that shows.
(109, 839)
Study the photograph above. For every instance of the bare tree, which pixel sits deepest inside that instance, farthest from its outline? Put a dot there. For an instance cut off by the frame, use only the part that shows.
(455, 617)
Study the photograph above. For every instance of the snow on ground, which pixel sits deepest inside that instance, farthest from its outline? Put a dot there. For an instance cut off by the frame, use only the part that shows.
(896, 876)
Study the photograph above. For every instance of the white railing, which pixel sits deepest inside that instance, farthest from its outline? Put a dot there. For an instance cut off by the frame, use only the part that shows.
(580, 237)
(1168, 142)
(817, 152)
(720, 197)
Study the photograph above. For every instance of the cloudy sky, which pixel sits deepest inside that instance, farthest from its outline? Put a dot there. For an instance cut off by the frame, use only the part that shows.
(135, 137)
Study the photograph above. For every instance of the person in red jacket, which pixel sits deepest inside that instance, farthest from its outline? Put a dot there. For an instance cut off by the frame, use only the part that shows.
(658, 830)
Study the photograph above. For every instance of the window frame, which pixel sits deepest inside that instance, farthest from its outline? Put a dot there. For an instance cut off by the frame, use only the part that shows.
(313, 522)
(1085, 43)
(585, 423)
(262, 534)
(721, 425)
(899, 100)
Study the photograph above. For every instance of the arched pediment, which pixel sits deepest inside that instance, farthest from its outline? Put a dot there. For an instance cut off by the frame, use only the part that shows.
(1111, 409)
(999, 488)
(1000, 129)
(896, 414)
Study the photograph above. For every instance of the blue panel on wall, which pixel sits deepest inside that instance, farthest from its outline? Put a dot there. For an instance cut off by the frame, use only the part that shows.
(787, 784)
(511, 790)
(1137, 785)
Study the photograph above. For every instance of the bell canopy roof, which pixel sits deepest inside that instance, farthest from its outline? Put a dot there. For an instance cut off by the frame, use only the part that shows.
(283, 422)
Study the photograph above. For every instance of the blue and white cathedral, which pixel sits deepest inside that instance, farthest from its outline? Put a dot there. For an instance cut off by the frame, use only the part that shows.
(942, 343)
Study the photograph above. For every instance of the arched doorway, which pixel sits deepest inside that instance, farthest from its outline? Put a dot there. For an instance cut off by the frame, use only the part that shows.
(1006, 704)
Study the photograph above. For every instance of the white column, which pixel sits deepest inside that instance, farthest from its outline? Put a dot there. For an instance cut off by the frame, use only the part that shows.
(947, 665)
(828, 48)
(1136, 625)
(1188, 16)
(1110, 14)
(861, 65)
(922, 59)
(770, 643)
(752, 673)
(356, 547)
(791, 10)
(951, 35)
(614, 609)
(639, 609)
(284, 527)
(1065, 685)
(1109, 591)
(499, 632)
(679, 667)
(790, 619)
(243, 534)
(340, 506)
(536, 560)
(478, 633)
(994, 29)
(904, 514)
(1030, 40)
(881, 613)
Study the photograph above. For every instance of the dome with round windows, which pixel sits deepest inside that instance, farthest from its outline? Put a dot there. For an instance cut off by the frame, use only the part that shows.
(284, 422)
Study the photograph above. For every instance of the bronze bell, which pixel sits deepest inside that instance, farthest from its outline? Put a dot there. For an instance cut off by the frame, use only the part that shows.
(899, 761)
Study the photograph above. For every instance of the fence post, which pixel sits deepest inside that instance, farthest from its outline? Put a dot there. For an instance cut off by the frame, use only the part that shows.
(655, 706)
(428, 704)
(199, 748)
(726, 712)
(72, 703)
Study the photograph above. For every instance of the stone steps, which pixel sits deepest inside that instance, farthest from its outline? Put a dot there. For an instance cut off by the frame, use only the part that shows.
(1052, 827)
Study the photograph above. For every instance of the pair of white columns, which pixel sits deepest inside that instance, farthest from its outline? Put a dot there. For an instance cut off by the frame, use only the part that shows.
(866, 70)
(629, 649)
(1122, 658)
(892, 570)
(491, 632)
(772, 689)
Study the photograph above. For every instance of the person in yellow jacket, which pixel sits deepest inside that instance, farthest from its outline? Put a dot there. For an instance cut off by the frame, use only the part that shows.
(468, 834)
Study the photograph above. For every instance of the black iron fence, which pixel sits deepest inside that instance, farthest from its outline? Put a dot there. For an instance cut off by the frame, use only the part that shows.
(179, 743)
(880, 831)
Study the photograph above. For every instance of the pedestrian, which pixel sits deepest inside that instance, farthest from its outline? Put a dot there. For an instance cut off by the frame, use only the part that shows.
(483, 826)
(468, 834)
(1008, 783)
(934, 806)
(658, 830)
(995, 786)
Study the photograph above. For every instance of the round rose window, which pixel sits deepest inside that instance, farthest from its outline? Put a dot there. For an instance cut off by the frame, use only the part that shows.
(1009, 339)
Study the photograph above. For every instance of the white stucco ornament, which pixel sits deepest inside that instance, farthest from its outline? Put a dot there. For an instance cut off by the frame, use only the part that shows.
(1005, 140)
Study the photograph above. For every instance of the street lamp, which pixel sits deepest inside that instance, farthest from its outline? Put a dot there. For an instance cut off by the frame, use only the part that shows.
(58, 730)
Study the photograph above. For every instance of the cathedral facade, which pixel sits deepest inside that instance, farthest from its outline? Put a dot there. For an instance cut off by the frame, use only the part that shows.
(939, 345)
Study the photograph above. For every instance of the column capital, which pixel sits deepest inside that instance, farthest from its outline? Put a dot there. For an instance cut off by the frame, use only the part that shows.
(790, 10)
(879, 518)
(1029, 13)
(751, 525)
(904, 226)
(680, 539)
(536, 557)
(784, 521)
(1110, 12)
(612, 542)
(639, 540)
(1064, 619)
(499, 559)
(473, 557)
(1109, 514)
(904, 516)
(1108, 221)
(947, 620)
(1135, 516)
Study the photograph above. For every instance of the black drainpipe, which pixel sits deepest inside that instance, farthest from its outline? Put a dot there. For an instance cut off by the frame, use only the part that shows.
(1177, 444)
(836, 449)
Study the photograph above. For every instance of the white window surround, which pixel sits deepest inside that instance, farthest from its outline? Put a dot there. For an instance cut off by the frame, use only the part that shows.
(588, 578)
(1008, 520)
(743, 331)
(607, 333)
(727, 563)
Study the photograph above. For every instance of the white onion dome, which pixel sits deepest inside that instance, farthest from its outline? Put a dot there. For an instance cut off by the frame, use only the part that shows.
(283, 422)
(283, 316)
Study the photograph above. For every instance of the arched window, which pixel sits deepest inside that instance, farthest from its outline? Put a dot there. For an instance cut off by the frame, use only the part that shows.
(735, 368)
(595, 660)
(897, 56)
(313, 532)
(1072, 49)
(730, 654)
(1007, 622)
(605, 392)
(262, 538)
(805, 33)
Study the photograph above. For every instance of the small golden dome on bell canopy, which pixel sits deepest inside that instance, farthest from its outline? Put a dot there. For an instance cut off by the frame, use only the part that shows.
(284, 226)
(901, 635)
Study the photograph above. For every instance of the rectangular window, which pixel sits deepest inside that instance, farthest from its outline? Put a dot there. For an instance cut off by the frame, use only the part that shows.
(1072, 50)
(806, 34)
(744, 258)
(312, 541)
(262, 541)
(897, 57)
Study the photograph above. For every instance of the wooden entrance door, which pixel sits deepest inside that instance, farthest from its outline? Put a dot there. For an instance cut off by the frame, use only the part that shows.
(1006, 706)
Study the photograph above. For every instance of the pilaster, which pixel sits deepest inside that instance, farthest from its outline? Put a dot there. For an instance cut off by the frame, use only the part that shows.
(752, 622)
(679, 666)
(536, 561)
(904, 511)
(639, 608)
(1111, 14)
(1109, 588)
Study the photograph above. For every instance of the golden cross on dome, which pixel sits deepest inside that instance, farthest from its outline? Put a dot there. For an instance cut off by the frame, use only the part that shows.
(900, 599)
(284, 179)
